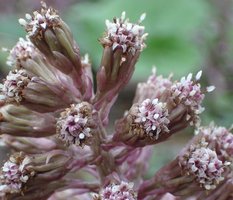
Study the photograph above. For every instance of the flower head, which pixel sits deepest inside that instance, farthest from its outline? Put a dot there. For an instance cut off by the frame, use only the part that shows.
(151, 116)
(76, 124)
(221, 138)
(189, 93)
(120, 191)
(14, 174)
(20, 52)
(205, 166)
(14, 84)
(36, 24)
(123, 34)
(155, 87)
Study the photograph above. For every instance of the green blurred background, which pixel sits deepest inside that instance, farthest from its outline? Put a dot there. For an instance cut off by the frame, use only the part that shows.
(184, 36)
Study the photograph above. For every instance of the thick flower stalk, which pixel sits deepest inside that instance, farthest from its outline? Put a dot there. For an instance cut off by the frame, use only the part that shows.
(137, 161)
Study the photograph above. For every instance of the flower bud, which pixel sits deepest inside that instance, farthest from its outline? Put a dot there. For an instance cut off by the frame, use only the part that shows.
(28, 173)
(125, 35)
(53, 38)
(220, 139)
(30, 145)
(25, 55)
(40, 21)
(20, 121)
(122, 42)
(42, 97)
(21, 87)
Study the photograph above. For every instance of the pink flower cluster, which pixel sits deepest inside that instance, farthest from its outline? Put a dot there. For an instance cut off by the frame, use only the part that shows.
(125, 35)
(120, 191)
(152, 114)
(39, 20)
(14, 175)
(55, 121)
(221, 138)
(23, 50)
(206, 166)
(14, 84)
(75, 124)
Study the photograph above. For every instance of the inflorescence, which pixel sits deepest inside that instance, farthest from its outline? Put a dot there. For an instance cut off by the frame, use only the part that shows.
(55, 120)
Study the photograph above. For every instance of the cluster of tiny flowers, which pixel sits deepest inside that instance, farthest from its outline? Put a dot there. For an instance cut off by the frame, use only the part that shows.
(40, 21)
(155, 86)
(14, 174)
(52, 92)
(14, 84)
(189, 93)
(161, 83)
(222, 137)
(152, 115)
(128, 36)
(204, 164)
(120, 191)
(74, 125)
(21, 51)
